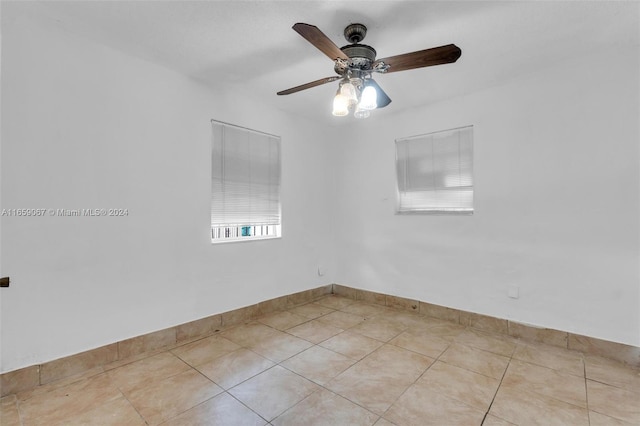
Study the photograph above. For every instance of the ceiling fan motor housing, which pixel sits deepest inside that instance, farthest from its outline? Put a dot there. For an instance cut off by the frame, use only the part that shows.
(360, 56)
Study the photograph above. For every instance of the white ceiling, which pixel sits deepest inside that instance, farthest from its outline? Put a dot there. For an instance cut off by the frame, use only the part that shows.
(250, 44)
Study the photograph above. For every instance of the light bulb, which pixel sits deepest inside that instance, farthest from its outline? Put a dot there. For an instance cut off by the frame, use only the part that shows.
(340, 105)
(368, 100)
(361, 113)
(349, 91)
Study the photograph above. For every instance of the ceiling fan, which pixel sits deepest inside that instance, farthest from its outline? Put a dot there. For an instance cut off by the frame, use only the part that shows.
(354, 64)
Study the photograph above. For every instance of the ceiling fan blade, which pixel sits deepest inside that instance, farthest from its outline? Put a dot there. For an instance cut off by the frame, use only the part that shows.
(422, 58)
(309, 85)
(316, 37)
(383, 100)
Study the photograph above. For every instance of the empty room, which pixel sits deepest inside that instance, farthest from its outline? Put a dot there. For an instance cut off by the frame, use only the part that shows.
(319, 213)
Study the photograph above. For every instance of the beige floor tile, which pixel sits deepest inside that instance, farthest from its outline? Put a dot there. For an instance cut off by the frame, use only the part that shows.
(165, 399)
(597, 419)
(221, 410)
(477, 360)
(398, 360)
(68, 401)
(374, 392)
(118, 412)
(205, 350)
(365, 310)
(283, 320)
(498, 344)
(280, 347)
(420, 321)
(424, 407)
(318, 364)
(614, 402)
(235, 367)
(140, 373)
(384, 422)
(335, 302)
(421, 341)
(273, 392)
(379, 328)
(353, 345)
(545, 381)
(341, 319)
(324, 408)
(443, 329)
(612, 373)
(402, 316)
(314, 331)
(247, 334)
(552, 357)
(311, 310)
(490, 420)
(380, 378)
(9, 414)
(463, 385)
(519, 406)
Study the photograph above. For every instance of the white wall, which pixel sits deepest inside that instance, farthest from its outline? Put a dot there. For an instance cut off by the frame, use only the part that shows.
(84, 126)
(556, 197)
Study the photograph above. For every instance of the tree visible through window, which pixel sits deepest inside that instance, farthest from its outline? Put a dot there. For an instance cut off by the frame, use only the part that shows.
(245, 184)
(435, 172)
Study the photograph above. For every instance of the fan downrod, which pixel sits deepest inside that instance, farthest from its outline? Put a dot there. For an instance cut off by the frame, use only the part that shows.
(354, 33)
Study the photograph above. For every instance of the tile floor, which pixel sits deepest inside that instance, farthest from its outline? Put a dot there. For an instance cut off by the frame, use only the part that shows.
(337, 361)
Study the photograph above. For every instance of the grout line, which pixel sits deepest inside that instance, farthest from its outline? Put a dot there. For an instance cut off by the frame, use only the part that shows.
(418, 378)
(249, 408)
(586, 390)
(133, 406)
(19, 411)
(499, 386)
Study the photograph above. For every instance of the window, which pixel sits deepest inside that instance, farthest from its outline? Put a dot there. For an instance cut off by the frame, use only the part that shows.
(245, 184)
(435, 172)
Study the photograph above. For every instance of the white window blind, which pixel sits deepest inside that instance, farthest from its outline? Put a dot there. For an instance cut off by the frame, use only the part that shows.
(435, 172)
(245, 184)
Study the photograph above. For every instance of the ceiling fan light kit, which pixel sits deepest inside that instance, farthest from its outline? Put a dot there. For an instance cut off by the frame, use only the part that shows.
(354, 63)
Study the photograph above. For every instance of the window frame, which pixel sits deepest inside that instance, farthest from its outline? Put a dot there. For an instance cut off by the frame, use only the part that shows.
(446, 211)
(277, 228)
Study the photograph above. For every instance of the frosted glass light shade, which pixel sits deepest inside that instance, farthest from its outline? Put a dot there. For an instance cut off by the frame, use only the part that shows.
(349, 91)
(368, 100)
(340, 105)
(361, 113)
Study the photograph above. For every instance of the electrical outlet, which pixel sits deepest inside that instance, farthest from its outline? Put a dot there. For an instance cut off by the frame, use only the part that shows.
(513, 292)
